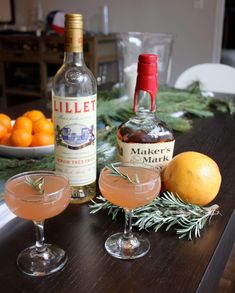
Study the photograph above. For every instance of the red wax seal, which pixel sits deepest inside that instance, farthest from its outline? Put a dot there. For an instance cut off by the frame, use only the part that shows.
(147, 78)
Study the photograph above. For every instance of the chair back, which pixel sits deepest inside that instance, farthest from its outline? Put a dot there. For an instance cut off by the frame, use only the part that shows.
(218, 78)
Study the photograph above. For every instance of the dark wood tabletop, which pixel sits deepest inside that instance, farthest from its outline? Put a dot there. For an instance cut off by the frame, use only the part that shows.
(172, 265)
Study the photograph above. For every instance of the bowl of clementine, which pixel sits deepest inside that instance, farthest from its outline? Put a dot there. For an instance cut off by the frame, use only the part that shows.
(29, 135)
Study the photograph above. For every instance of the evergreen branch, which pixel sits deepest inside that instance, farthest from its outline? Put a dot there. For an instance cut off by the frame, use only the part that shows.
(166, 211)
(113, 111)
(13, 166)
(105, 153)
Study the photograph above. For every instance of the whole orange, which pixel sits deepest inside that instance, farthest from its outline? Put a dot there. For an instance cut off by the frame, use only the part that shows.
(42, 139)
(194, 176)
(21, 138)
(34, 115)
(23, 123)
(44, 125)
(6, 120)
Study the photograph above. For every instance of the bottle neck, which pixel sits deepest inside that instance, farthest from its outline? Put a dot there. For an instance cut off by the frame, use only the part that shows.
(146, 84)
(74, 57)
(144, 103)
(73, 46)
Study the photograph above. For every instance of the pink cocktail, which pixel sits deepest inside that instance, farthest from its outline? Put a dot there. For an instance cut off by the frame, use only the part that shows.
(129, 186)
(37, 202)
(125, 194)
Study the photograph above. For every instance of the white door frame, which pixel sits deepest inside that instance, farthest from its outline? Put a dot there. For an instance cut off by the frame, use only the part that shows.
(218, 31)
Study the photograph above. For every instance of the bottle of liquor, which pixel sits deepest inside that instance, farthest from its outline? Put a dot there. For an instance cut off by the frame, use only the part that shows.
(74, 95)
(145, 138)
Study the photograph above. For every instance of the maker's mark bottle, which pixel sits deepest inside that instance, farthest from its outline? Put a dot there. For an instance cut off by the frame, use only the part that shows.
(145, 138)
(74, 94)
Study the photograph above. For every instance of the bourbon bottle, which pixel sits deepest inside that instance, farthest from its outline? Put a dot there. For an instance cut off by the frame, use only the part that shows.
(145, 138)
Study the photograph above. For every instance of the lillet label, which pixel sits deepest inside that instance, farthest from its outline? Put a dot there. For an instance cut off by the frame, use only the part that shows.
(73, 107)
(75, 138)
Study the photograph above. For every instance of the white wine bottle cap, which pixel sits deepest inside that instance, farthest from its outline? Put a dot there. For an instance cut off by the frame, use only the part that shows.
(73, 32)
(73, 21)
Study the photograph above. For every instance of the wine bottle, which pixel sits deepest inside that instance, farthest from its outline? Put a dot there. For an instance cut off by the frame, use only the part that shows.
(74, 96)
(144, 138)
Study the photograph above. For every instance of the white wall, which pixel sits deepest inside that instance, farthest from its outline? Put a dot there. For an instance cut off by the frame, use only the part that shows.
(193, 28)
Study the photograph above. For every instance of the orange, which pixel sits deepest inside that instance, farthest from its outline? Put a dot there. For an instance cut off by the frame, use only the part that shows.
(195, 177)
(6, 120)
(6, 140)
(21, 138)
(43, 125)
(34, 115)
(42, 139)
(3, 130)
(23, 123)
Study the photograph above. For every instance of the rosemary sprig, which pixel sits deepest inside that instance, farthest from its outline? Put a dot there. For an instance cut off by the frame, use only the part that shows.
(116, 172)
(103, 204)
(37, 184)
(167, 211)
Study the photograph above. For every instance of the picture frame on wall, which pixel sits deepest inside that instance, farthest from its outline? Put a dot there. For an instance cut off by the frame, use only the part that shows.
(7, 12)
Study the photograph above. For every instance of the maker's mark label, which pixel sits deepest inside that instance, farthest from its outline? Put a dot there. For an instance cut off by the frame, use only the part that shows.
(154, 154)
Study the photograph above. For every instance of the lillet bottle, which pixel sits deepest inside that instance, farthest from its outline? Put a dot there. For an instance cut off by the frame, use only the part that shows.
(74, 96)
(144, 138)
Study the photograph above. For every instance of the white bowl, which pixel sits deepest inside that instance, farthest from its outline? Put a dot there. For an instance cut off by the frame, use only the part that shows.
(26, 152)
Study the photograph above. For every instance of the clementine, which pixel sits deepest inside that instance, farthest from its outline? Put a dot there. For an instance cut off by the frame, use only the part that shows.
(42, 139)
(6, 120)
(194, 176)
(34, 115)
(44, 125)
(21, 138)
(23, 123)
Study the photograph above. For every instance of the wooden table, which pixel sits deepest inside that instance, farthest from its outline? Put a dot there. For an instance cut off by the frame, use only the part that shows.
(172, 265)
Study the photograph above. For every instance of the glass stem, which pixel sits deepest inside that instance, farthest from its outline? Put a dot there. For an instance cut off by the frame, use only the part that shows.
(128, 225)
(39, 230)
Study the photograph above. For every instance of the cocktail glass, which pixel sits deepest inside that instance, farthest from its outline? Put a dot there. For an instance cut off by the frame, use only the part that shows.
(144, 185)
(27, 202)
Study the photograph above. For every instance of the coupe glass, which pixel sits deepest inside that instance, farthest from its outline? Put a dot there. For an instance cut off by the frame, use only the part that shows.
(144, 185)
(28, 203)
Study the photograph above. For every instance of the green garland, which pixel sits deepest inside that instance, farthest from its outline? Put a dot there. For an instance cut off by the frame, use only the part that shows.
(112, 110)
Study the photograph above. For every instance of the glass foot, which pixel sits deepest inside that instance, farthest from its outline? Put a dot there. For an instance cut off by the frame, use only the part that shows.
(119, 247)
(33, 263)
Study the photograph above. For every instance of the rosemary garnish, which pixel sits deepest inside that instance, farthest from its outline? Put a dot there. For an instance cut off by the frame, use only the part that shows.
(167, 211)
(118, 173)
(37, 184)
